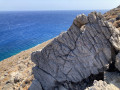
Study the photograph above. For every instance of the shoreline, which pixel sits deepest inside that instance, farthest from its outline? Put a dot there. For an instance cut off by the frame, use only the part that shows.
(25, 50)
(19, 65)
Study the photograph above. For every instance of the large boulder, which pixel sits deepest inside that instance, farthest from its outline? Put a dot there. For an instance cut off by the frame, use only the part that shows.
(83, 50)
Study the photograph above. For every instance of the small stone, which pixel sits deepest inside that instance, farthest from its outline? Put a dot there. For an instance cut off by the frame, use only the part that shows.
(115, 39)
(6, 74)
(16, 79)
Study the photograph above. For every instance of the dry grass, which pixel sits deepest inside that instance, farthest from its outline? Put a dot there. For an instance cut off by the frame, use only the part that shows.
(20, 64)
(112, 14)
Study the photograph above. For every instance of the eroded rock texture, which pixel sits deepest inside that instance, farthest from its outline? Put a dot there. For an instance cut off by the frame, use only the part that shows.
(112, 78)
(115, 38)
(74, 55)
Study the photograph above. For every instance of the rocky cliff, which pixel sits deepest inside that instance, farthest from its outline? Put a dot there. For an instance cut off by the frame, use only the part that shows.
(74, 59)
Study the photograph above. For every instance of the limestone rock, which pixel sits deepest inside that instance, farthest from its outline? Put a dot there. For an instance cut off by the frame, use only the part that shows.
(102, 85)
(80, 20)
(112, 78)
(74, 55)
(115, 38)
(117, 63)
(62, 88)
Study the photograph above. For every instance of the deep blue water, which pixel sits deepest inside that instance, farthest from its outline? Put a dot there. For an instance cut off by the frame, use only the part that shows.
(22, 30)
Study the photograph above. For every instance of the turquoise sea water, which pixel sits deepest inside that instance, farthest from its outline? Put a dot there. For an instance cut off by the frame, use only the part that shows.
(22, 30)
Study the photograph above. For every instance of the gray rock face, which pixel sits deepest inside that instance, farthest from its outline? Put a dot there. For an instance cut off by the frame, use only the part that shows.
(74, 55)
(35, 85)
(113, 78)
(117, 63)
(115, 38)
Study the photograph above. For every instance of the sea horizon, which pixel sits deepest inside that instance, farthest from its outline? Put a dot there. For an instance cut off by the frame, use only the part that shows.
(22, 30)
(53, 10)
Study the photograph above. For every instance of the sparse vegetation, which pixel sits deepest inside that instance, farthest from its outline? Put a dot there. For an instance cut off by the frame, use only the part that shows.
(16, 71)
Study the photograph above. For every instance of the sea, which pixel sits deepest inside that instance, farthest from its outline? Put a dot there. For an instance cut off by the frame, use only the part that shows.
(21, 30)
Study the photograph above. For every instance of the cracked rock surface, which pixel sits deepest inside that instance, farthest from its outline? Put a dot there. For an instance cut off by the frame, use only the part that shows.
(84, 49)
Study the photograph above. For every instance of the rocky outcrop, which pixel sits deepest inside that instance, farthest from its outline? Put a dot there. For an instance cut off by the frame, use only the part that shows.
(85, 49)
(115, 38)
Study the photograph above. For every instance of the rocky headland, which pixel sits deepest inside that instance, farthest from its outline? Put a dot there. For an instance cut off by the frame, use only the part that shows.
(86, 56)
